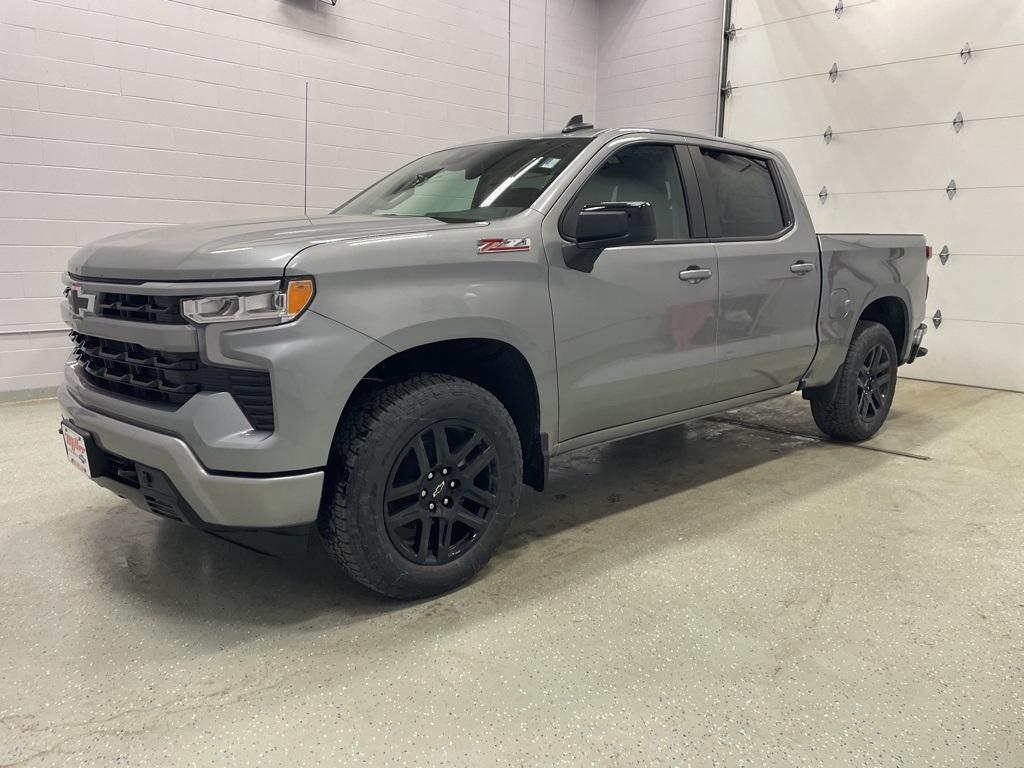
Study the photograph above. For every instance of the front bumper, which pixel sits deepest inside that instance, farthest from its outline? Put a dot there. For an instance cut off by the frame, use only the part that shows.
(217, 499)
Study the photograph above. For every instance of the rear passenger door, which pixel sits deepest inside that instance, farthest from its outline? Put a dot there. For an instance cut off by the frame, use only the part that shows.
(634, 336)
(767, 270)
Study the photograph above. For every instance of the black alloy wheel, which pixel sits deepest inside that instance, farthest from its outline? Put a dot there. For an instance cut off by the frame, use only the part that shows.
(441, 492)
(873, 380)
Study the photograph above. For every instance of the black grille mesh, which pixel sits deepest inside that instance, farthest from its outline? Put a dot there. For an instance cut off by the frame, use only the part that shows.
(133, 371)
(146, 309)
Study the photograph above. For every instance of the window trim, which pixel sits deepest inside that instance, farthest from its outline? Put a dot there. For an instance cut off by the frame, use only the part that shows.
(713, 210)
(691, 196)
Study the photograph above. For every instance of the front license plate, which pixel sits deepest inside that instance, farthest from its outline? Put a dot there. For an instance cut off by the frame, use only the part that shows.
(78, 452)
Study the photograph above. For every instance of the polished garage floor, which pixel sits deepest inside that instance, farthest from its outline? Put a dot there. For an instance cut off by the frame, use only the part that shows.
(726, 593)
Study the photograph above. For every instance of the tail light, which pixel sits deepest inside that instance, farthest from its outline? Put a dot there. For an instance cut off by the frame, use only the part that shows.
(927, 252)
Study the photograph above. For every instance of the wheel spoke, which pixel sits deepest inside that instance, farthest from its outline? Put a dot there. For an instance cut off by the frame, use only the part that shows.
(486, 498)
(422, 462)
(869, 361)
(441, 447)
(467, 447)
(876, 402)
(406, 516)
(468, 518)
(882, 380)
(403, 491)
(424, 543)
(862, 406)
(479, 463)
(444, 539)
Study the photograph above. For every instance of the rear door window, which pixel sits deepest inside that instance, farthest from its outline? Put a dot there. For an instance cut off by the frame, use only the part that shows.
(745, 194)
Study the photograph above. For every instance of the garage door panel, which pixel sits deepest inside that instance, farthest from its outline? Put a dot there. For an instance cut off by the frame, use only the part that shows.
(983, 221)
(750, 13)
(963, 287)
(810, 44)
(988, 153)
(912, 93)
(915, 212)
(906, 158)
(972, 352)
(901, 81)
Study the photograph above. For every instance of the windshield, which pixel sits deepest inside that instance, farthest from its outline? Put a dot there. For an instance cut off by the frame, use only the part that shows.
(477, 183)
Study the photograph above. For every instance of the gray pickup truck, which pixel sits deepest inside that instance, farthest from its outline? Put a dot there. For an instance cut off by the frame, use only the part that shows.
(391, 374)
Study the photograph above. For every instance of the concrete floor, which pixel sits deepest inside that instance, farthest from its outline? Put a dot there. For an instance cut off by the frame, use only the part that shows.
(716, 594)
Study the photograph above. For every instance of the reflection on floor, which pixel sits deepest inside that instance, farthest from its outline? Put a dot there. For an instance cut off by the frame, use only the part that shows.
(735, 589)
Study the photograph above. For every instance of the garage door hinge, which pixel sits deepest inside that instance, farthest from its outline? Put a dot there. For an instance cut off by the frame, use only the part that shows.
(958, 122)
(839, 9)
(951, 189)
(730, 31)
(834, 72)
(965, 53)
(937, 318)
(944, 254)
(823, 195)
(827, 135)
(727, 90)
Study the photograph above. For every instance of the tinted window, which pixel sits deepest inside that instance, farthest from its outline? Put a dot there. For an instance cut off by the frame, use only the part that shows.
(638, 173)
(482, 182)
(748, 204)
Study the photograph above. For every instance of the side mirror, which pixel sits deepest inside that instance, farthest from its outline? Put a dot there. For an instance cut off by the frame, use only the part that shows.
(607, 225)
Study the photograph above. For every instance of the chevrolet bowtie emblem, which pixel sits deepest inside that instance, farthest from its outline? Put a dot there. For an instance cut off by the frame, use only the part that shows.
(79, 301)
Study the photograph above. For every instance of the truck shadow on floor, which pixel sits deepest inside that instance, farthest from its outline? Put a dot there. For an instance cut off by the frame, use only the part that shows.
(618, 500)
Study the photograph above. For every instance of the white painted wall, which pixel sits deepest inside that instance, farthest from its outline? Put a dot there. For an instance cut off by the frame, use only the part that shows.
(901, 82)
(116, 114)
(659, 63)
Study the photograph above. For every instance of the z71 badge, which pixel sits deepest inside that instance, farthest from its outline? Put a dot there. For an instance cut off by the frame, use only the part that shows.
(503, 245)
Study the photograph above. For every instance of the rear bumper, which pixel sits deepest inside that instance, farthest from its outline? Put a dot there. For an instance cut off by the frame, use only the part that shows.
(916, 350)
(212, 500)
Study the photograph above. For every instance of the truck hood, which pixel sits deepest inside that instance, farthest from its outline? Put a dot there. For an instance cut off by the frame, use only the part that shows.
(227, 250)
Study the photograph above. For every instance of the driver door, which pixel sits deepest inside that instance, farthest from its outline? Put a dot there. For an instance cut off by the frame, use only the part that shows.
(635, 337)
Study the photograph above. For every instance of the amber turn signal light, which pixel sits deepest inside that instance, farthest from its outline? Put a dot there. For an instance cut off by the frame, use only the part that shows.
(298, 295)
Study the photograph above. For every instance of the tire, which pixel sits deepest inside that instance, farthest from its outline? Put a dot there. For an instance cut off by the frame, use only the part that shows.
(387, 484)
(864, 388)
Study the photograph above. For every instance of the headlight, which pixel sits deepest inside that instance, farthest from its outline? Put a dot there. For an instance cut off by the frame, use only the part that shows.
(283, 305)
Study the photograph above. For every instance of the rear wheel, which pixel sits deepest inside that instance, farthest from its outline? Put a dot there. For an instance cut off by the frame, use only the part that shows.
(424, 480)
(865, 387)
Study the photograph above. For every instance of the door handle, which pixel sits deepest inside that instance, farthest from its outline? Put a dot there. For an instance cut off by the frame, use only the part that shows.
(694, 275)
(801, 268)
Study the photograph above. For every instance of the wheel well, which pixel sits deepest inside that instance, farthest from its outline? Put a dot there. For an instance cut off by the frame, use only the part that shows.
(494, 365)
(890, 312)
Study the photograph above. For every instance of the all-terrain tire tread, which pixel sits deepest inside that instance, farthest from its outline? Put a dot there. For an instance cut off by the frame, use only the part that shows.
(838, 416)
(336, 521)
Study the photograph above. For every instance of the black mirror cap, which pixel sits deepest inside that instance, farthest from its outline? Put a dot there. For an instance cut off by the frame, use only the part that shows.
(607, 225)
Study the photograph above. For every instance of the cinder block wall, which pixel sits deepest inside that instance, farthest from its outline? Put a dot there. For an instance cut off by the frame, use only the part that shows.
(659, 63)
(118, 114)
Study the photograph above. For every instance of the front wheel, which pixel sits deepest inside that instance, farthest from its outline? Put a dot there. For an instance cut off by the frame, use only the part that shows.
(864, 391)
(424, 480)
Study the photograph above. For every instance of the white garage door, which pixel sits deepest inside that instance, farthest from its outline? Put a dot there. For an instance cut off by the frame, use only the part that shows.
(895, 145)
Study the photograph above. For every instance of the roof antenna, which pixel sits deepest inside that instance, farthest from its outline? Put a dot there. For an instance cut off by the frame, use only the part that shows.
(576, 124)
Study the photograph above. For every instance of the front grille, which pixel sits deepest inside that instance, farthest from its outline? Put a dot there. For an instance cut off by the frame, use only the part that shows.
(145, 309)
(171, 378)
